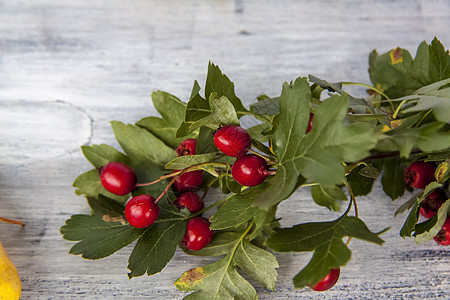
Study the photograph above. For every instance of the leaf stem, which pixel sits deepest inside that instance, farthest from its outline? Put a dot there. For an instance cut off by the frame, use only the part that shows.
(423, 118)
(180, 172)
(352, 202)
(11, 221)
(166, 188)
(309, 184)
(397, 111)
(370, 87)
(159, 179)
(272, 162)
(366, 85)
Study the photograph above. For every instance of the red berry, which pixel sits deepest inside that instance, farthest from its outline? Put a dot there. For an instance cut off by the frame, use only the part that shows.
(118, 178)
(328, 281)
(187, 147)
(198, 234)
(443, 237)
(191, 201)
(419, 174)
(249, 170)
(232, 140)
(311, 115)
(141, 211)
(432, 202)
(189, 181)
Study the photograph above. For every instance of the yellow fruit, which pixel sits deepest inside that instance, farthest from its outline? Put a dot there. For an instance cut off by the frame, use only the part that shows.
(10, 285)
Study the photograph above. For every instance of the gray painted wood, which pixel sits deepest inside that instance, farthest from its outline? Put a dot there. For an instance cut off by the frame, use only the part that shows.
(68, 67)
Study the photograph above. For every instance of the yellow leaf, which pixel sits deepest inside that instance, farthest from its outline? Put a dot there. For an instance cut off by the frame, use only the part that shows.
(394, 124)
(10, 285)
(396, 56)
(190, 278)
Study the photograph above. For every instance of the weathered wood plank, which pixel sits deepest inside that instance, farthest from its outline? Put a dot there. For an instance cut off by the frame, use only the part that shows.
(67, 68)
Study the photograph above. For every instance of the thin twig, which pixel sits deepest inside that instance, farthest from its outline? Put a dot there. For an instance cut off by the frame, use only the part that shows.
(11, 221)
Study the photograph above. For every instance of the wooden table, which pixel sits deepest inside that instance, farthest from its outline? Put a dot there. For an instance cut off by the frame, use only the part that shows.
(68, 67)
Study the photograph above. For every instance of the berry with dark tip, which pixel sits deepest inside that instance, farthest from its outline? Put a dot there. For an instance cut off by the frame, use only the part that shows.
(232, 140)
(191, 201)
(198, 234)
(189, 181)
(141, 211)
(118, 178)
(419, 174)
(187, 147)
(250, 170)
(432, 202)
(443, 237)
(328, 281)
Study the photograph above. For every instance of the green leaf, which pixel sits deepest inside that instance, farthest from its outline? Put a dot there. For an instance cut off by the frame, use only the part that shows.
(205, 141)
(100, 155)
(427, 138)
(407, 205)
(237, 210)
(217, 281)
(439, 62)
(392, 179)
(89, 184)
(171, 108)
(147, 172)
(398, 74)
(172, 111)
(325, 239)
(216, 82)
(103, 206)
(222, 243)
(186, 161)
(318, 155)
(141, 146)
(258, 263)
(357, 104)
(432, 97)
(328, 196)
(435, 225)
(220, 280)
(268, 106)
(163, 130)
(97, 238)
(198, 107)
(156, 247)
(222, 113)
(361, 185)
(409, 226)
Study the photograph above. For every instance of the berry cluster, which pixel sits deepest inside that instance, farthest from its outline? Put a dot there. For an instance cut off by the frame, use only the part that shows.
(142, 211)
(418, 175)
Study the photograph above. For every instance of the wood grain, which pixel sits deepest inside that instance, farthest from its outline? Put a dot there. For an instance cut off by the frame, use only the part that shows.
(68, 67)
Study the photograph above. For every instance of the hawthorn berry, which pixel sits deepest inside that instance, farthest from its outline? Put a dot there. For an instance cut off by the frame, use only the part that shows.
(141, 211)
(443, 237)
(118, 178)
(198, 234)
(232, 140)
(187, 147)
(191, 201)
(328, 281)
(311, 115)
(432, 202)
(419, 174)
(189, 181)
(249, 170)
